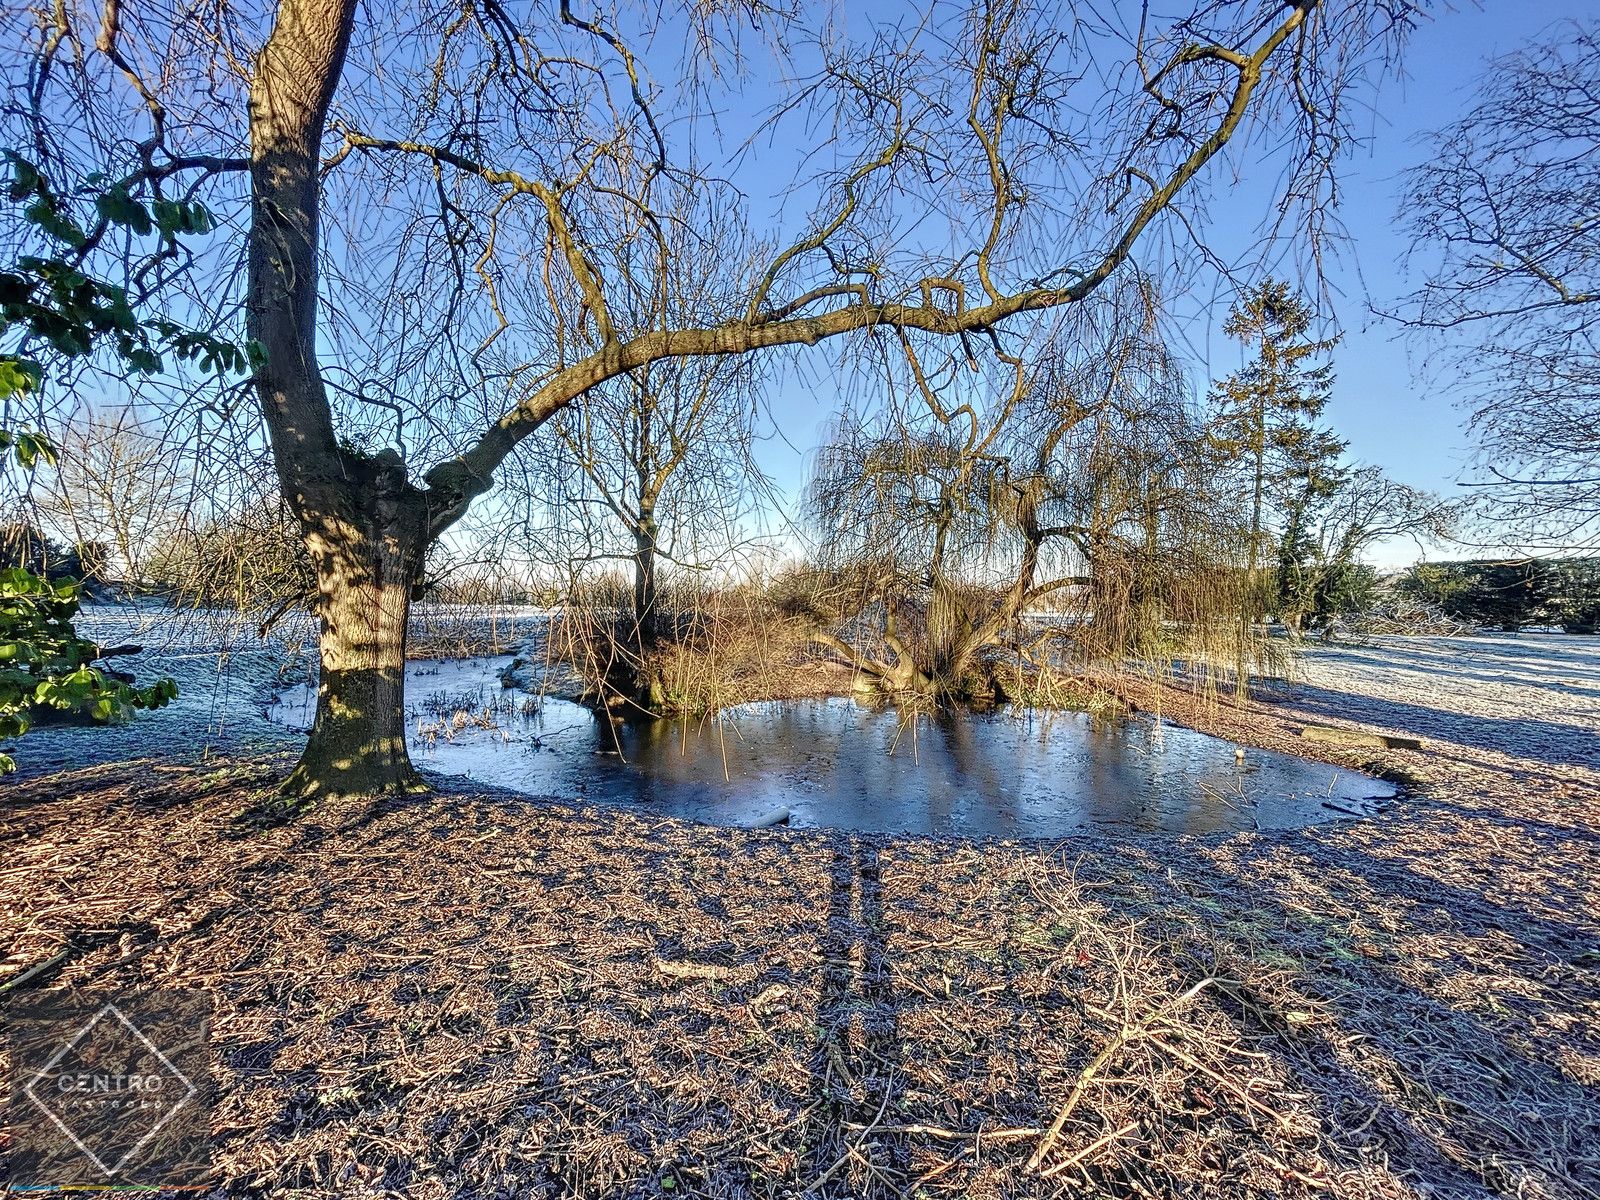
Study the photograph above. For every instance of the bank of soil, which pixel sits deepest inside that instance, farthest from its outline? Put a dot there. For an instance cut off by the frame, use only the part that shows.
(485, 994)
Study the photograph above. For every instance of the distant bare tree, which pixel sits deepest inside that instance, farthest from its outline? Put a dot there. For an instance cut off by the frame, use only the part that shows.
(653, 469)
(1320, 551)
(117, 485)
(1505, 212)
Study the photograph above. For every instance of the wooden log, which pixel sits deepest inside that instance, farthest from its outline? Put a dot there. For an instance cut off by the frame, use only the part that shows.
(778, 816)
(712, 972)
(1360, 737)
(101, 652)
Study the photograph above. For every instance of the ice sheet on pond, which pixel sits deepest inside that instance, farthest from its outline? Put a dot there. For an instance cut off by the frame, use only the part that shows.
(830, 762)
(833, 762)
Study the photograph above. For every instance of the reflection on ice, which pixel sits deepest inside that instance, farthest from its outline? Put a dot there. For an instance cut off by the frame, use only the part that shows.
(833, 762)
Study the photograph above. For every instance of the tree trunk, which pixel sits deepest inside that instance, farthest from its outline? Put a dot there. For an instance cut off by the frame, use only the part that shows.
(364, 525)
(646, 613)
(642, 683)
(368, 559)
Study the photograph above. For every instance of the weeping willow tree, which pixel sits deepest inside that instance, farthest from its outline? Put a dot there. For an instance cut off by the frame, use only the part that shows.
(1054, 513)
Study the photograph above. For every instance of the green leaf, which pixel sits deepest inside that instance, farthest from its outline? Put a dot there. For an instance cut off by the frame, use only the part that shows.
(18, 376)
(147, 362)
(44, 213)
(30, 449)
(175, 217)
(25, 178)
(116, 205)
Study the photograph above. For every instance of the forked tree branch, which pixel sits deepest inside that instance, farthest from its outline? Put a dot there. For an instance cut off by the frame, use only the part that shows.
(455, 483)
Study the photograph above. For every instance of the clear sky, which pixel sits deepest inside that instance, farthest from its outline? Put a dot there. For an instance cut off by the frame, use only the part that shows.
(1393, 414)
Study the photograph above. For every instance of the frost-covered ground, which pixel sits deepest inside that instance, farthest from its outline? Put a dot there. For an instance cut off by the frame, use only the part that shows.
(226, 675)
(1531, 696)
(476, 993)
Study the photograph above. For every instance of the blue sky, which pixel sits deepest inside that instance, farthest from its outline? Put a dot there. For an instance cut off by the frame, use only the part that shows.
(1393, 413)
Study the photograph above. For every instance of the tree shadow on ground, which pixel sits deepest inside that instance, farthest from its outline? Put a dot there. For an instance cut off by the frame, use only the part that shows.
(1551, 742)
(1411, 1009)
(857, 1077)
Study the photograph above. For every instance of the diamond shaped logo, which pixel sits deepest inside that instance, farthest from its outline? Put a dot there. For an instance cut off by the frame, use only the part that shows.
(109, 1092)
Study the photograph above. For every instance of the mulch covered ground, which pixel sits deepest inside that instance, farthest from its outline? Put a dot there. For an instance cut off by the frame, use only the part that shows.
(484, 995)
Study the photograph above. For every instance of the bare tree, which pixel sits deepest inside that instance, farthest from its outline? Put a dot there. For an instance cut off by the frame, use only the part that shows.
(971, 505)
(116, 485)
(1505, 216)
(1320, 573)
(654, 470)
(434, 217)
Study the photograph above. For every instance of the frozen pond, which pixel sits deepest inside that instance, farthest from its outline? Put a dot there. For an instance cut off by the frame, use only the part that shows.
(829, 762)
(836, 763)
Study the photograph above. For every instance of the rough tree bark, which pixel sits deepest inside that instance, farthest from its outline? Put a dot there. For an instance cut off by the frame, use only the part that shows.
(368, 558)
(364, 524)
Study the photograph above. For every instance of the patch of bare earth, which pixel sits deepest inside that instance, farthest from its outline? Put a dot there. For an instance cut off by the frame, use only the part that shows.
(478, 994)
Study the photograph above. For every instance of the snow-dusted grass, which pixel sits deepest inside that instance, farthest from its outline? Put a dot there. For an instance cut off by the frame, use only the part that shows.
(1533, 696)
(228, 676)
(480, 993)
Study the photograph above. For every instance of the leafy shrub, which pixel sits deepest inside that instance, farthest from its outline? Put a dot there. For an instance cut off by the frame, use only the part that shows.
(47, 301)
(44, 664)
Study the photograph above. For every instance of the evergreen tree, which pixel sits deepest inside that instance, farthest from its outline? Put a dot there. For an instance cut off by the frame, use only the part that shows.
(1265, 413)
(1308, 474)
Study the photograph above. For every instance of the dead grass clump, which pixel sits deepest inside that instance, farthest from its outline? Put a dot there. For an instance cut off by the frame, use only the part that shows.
(708, 649)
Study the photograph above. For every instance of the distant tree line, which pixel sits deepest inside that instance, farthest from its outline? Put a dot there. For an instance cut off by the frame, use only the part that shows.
(1511, 595)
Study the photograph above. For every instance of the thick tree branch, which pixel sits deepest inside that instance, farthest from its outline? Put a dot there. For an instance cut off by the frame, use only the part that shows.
(455, 483)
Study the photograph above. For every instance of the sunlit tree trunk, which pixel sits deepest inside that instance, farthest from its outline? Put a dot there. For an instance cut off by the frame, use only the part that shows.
(368, 561)
(364, 524)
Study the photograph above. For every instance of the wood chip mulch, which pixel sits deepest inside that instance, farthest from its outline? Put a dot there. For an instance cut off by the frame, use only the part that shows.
(476, 994)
